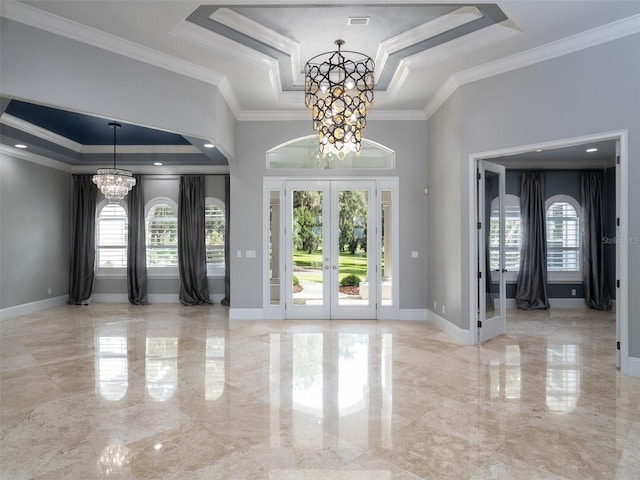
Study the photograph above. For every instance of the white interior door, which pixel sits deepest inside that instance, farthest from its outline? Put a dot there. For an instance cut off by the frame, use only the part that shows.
(492, 320)
(331, 234)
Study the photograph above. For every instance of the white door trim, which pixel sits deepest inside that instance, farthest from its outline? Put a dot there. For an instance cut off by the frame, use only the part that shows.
(622, 248)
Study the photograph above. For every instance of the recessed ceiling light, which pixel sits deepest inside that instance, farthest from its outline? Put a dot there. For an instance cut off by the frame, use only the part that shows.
(20, 145)
(157, 164)
(208, 145)
(539, 150)
(591, 150)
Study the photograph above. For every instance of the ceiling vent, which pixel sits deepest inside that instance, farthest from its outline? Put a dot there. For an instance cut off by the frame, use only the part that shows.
(358, 21)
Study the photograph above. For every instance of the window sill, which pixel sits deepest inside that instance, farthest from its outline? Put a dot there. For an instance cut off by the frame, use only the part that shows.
(111, 273)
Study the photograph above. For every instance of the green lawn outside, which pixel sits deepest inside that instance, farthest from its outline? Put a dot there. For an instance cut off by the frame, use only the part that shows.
(349, 264)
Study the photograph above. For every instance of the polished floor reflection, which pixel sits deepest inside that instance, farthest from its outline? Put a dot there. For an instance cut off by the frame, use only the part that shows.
(172, 392)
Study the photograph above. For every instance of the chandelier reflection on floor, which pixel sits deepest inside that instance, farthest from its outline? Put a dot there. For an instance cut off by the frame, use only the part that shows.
(339, 93)
(114, 183)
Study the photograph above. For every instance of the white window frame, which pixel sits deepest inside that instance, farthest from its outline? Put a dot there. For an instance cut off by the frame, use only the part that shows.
(160, 271)
(117, 272)
(566, 277)
(213, 271)
(511, 275)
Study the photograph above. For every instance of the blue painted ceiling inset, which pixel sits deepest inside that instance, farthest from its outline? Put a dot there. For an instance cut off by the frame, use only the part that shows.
(87, 129)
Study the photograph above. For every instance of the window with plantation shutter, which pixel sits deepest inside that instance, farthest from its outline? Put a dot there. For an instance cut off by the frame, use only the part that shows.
(512, 235)
(563, 235)
(214, 235)
(111, 237)
(162, 235)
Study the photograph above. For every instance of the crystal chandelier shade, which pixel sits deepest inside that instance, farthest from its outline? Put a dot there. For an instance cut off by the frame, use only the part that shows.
(339, 94)
(114, 183)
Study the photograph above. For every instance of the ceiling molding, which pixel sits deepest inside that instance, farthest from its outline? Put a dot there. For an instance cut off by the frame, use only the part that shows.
(260, 32)
(141, 149)
(35, 158)
(490, 35)
(39, 132)
(423, 32)
(160, 170)
(296, 115)
(69, 29)
(549, 51)
(447, 89)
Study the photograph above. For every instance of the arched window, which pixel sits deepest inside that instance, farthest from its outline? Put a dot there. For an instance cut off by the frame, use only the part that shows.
(563, 236)
(214, 235)
(512, 237)
(111, 236)
(304, 153)
(162, 234)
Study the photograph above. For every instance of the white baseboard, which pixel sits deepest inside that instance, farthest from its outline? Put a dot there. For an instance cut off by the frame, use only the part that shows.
(246, 314)
(633, 366)
(32, 307)
(457, 334)
(555, 303)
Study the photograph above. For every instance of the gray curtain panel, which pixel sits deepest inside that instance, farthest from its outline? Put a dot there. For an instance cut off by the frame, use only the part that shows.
(137, 249)
(83, 238)
(531, 290)
(192, 251)
(597, 292)
(227, 248)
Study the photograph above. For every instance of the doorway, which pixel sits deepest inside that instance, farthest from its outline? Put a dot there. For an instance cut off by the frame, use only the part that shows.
(331, 248)
(618, 141)
(328, 249)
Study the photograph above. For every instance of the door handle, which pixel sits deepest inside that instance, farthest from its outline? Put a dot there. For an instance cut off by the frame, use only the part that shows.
(334, 267)
(326, 267)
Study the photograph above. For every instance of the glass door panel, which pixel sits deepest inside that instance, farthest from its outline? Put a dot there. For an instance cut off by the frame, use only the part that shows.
(328, 243)
(308, 260)
(491, 239)
(354, 286)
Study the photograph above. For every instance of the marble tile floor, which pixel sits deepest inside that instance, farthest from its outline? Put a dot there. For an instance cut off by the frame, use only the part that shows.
(112, 391)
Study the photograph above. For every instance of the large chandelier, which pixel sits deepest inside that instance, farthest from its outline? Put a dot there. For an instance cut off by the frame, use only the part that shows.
(338, 91)
(114, 183)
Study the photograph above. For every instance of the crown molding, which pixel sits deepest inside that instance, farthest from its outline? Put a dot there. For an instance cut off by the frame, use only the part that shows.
(303, 115)
(140, 149)
(549, 51)
(57, 25)
(575, 43)
(159, 170)
(447, 89)
(39, 132)
(35, 158)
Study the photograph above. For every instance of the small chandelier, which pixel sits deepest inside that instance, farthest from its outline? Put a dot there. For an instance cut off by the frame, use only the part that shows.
(338, 91)
(114, 183)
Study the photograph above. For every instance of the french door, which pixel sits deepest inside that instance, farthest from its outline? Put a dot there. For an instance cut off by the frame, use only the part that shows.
(331, 251)
(492, 297)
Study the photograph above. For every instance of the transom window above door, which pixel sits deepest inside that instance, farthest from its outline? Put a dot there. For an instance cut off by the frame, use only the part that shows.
(303, 153)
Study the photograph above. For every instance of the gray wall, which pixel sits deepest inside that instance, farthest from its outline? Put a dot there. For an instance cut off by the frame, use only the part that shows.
(35, 226)
(167, 187)
(444, 210)
(87, 79)
(570, 96)
(407, 139)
